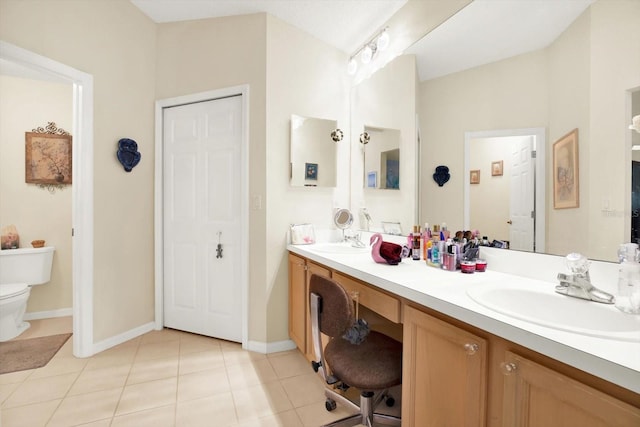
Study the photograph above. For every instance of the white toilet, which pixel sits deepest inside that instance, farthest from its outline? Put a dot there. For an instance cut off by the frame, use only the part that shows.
(19, 270)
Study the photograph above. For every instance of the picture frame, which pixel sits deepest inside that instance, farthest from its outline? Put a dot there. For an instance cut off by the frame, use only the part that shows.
(48, 158)
(372, 179)
(311, 171)
(566, 172)
(497, 168)
(474, 176)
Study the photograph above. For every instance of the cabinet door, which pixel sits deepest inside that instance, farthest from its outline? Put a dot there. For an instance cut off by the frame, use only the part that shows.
(536, 396)
(297, 301)
(444, 374)
(312, 268)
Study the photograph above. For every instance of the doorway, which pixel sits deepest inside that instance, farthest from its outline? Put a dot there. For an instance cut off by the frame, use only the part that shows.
(82, 189)
(202, 213)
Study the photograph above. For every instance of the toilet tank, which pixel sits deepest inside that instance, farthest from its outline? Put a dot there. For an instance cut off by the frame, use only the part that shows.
(26, 265)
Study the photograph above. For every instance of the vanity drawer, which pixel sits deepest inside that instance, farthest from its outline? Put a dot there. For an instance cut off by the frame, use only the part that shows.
(383, 304)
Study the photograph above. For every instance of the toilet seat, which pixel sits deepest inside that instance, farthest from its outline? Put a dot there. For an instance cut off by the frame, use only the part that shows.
(11, 290)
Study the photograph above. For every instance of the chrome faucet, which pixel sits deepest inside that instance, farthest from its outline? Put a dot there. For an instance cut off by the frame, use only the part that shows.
(354, 239)
(578, 284)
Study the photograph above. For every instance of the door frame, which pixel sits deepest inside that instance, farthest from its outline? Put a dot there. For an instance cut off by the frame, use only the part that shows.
(81, 190)
(540, 182)
(243, 92)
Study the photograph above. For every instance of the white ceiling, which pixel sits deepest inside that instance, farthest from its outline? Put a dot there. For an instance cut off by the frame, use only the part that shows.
(490, 30)
(344, 24)
(485, 31)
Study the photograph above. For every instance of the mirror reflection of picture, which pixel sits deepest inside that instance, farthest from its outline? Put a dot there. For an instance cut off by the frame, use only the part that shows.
(496, 168)
(311, 171)
(372, 179)
(566, 192)
(474, 176)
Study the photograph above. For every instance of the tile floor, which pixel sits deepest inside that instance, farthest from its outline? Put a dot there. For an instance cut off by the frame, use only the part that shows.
(164, 378)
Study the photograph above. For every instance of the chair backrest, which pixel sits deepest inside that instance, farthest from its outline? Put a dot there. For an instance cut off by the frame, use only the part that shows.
(336, 312)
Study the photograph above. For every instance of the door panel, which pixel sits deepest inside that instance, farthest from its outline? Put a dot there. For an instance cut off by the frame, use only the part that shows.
(521, 231)
(202, 164)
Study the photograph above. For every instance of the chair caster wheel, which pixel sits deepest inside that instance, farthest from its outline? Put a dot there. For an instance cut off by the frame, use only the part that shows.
(390, 401)
(330, 405)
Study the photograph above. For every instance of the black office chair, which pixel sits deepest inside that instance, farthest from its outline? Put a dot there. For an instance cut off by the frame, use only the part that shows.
(372, 366)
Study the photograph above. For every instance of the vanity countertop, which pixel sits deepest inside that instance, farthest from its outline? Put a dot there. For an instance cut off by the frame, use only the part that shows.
(616, 361)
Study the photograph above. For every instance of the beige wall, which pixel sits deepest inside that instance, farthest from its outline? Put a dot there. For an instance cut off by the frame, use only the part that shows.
(116, 43)
(580, 81)
(509, 94)
(387, 100)
(36, 212)
(305, 77)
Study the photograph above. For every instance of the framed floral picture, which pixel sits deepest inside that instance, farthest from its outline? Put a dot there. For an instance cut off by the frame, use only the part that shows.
(566, 190)
(47, 158)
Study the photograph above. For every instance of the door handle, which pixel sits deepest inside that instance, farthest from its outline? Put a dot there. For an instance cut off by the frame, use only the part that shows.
(509, 222)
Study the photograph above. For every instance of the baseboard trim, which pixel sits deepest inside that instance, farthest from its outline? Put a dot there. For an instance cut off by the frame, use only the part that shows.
(270, 347)
(37, 315)
(123, 337)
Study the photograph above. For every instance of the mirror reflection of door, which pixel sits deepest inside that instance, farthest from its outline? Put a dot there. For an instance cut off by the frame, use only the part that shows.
(382, 158)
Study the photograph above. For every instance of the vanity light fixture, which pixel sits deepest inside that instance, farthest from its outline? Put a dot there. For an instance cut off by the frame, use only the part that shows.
(378, 43)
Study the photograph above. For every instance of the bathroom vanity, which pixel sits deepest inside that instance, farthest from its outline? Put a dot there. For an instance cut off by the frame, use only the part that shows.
(468, 365)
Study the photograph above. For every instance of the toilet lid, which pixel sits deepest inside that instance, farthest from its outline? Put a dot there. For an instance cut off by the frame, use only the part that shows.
(12, 289)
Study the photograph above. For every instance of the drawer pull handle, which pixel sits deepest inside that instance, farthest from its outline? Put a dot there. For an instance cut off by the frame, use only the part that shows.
(508, 368)
(471, 349)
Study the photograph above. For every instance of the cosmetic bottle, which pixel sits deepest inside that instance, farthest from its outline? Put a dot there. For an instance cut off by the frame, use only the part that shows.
(435, 256)
(415, 248)
(425, 239)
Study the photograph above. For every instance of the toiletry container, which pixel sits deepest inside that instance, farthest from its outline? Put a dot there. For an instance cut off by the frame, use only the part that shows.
(628, 298)
(415, 247)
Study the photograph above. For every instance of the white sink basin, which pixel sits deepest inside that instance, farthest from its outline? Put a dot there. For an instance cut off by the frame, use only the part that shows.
(338, 248)
(542, 305)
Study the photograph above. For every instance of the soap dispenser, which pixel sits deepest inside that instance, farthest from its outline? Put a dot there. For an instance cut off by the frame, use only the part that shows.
(628, 298)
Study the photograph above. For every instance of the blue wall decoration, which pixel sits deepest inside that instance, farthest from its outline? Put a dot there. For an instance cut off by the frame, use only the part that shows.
(128, 153)
(441, 176)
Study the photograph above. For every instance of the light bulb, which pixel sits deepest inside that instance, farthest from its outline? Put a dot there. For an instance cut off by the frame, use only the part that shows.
(383, 41)
(366, 55)
(352, 67)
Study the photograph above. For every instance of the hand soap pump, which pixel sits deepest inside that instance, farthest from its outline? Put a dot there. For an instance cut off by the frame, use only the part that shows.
(628, 298)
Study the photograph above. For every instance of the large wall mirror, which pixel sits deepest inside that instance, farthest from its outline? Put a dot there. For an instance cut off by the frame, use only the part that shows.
(582, 79)
(313, 152)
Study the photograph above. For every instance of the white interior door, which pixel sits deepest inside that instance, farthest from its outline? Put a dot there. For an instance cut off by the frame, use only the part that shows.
(201, 193)
(521, 231)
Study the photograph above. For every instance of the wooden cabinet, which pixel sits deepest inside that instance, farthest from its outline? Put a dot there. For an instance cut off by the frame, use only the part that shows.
(536, 396)
(383, 304)
(457, 375)
(444, 377)
(300, 271)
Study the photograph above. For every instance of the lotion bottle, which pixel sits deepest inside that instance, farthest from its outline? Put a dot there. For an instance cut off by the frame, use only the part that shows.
(415, 248)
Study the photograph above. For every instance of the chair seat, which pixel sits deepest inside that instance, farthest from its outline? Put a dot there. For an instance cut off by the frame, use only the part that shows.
(375, 364)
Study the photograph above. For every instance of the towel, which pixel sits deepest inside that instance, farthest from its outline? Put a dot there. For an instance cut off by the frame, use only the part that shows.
(391, 252)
